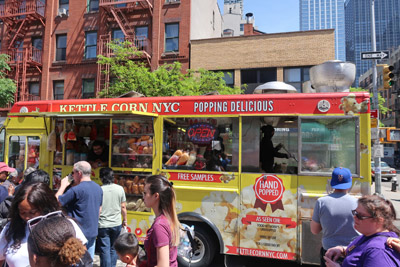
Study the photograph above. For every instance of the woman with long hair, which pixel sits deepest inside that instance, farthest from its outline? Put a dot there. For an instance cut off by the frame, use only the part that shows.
(30, 201)
(163, 236)
(373, 218)
(52, 243)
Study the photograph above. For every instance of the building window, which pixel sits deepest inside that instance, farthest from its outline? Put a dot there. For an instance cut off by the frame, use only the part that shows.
(118, 35)
(241, 27)
(58, 90)
(296, 76)
(90, 44)
(37, 44)
(87, 88)
(93, 5)
(61, 49)
(141, 37)
(229, 77)
(34, 88)
(64, 4)
(172, 37)
(255, 77)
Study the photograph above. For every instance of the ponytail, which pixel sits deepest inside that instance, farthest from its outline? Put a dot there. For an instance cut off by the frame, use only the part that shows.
(159, 184)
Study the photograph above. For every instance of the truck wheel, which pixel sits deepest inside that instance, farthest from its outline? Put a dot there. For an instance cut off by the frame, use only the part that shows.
(205, 252)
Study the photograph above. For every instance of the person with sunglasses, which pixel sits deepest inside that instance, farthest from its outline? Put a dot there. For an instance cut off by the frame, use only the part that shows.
(31, 200)
(373, 218)
(52, 243)
(82, 201)
(163, 236)
(332, 213)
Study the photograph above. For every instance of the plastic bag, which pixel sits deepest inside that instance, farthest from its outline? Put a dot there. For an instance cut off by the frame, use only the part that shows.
(186, 244)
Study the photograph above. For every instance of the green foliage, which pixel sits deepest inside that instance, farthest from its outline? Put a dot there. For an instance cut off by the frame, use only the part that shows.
(168, 80)
(7, 86)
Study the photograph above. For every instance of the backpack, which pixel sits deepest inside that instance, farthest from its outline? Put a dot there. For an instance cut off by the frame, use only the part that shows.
(186, 245)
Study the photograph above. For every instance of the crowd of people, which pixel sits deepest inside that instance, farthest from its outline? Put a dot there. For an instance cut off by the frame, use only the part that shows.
(43, 228)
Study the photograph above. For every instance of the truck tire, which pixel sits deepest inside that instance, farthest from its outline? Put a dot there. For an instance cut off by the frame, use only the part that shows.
(205, 252)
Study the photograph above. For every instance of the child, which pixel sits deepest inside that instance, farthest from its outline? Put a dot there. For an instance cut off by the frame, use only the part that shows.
(127, 248)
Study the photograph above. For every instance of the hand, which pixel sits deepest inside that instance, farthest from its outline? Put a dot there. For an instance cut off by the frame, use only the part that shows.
(11, 190)
(335, 253)
(65, 182)
(394, 243)
(124, 223)
(330, 263)
(279, 146)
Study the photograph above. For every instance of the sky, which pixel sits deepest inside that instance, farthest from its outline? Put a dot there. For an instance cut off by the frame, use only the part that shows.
(272, 16)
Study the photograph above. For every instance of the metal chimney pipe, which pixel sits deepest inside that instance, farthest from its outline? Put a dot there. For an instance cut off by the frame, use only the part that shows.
(248, 16)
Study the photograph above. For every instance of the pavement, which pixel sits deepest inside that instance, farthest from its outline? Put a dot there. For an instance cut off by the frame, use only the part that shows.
(96, 262)
(394, 197)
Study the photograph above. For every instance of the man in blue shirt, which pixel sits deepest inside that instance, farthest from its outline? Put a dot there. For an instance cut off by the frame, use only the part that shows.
(83, 201)
(333, 213)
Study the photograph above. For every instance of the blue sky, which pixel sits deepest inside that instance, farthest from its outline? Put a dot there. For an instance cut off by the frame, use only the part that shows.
(272, 16)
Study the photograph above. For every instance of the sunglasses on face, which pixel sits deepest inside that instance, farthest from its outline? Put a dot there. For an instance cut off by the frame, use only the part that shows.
(34, 221)
(359, 216)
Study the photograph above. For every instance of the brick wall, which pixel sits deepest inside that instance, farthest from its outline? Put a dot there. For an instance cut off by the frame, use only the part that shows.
(261, 51)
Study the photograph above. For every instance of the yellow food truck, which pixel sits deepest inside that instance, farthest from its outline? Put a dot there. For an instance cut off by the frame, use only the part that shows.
(209, 147)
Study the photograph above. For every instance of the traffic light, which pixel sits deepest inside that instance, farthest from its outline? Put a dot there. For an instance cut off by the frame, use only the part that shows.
(387, 76)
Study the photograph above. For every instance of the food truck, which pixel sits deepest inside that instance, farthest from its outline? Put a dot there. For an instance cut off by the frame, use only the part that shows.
(209, 147)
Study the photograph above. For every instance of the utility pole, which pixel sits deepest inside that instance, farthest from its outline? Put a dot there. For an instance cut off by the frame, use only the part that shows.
(375, 101)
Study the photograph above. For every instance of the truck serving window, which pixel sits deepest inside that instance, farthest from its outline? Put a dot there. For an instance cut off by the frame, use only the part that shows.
(17, 152)
(327, 143)
(206, 144)
(257, 155)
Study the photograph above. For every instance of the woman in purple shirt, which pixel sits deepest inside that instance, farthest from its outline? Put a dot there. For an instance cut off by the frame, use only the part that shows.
(373, 218)
(163, 236)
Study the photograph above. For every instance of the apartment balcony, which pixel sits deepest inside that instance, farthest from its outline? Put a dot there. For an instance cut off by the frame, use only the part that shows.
(32, 56)
(127, 3)
(21, 9)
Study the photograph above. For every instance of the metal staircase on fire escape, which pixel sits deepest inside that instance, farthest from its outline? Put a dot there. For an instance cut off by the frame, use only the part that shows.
(114, 10)
(17, 17)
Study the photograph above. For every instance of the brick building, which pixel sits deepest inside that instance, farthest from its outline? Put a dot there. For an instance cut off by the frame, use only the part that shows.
(53, 45)
(257, 58)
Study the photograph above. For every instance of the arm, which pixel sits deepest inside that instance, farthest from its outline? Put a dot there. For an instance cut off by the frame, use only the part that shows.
(330, 263)
(316, 228)
(163, 256)
(124, 214)
(335, 253)
(64, 184)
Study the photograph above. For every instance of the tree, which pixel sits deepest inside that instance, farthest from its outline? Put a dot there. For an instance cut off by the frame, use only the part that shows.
(167, 80)
(7, 86)
(381, 101)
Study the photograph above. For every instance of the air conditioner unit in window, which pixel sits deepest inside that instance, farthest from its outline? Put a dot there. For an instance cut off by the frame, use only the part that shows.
(62, 12)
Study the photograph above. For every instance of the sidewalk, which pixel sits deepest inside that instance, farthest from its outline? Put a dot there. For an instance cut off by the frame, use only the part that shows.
(96, 262)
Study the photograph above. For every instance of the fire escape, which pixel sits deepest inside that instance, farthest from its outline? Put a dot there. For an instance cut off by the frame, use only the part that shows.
(119, 11)
(18, 17)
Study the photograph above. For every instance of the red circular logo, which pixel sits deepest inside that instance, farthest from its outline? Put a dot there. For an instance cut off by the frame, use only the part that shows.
(269, 189)
(138, 231)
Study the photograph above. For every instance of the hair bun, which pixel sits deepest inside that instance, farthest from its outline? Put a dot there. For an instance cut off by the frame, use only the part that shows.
(71, 252)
